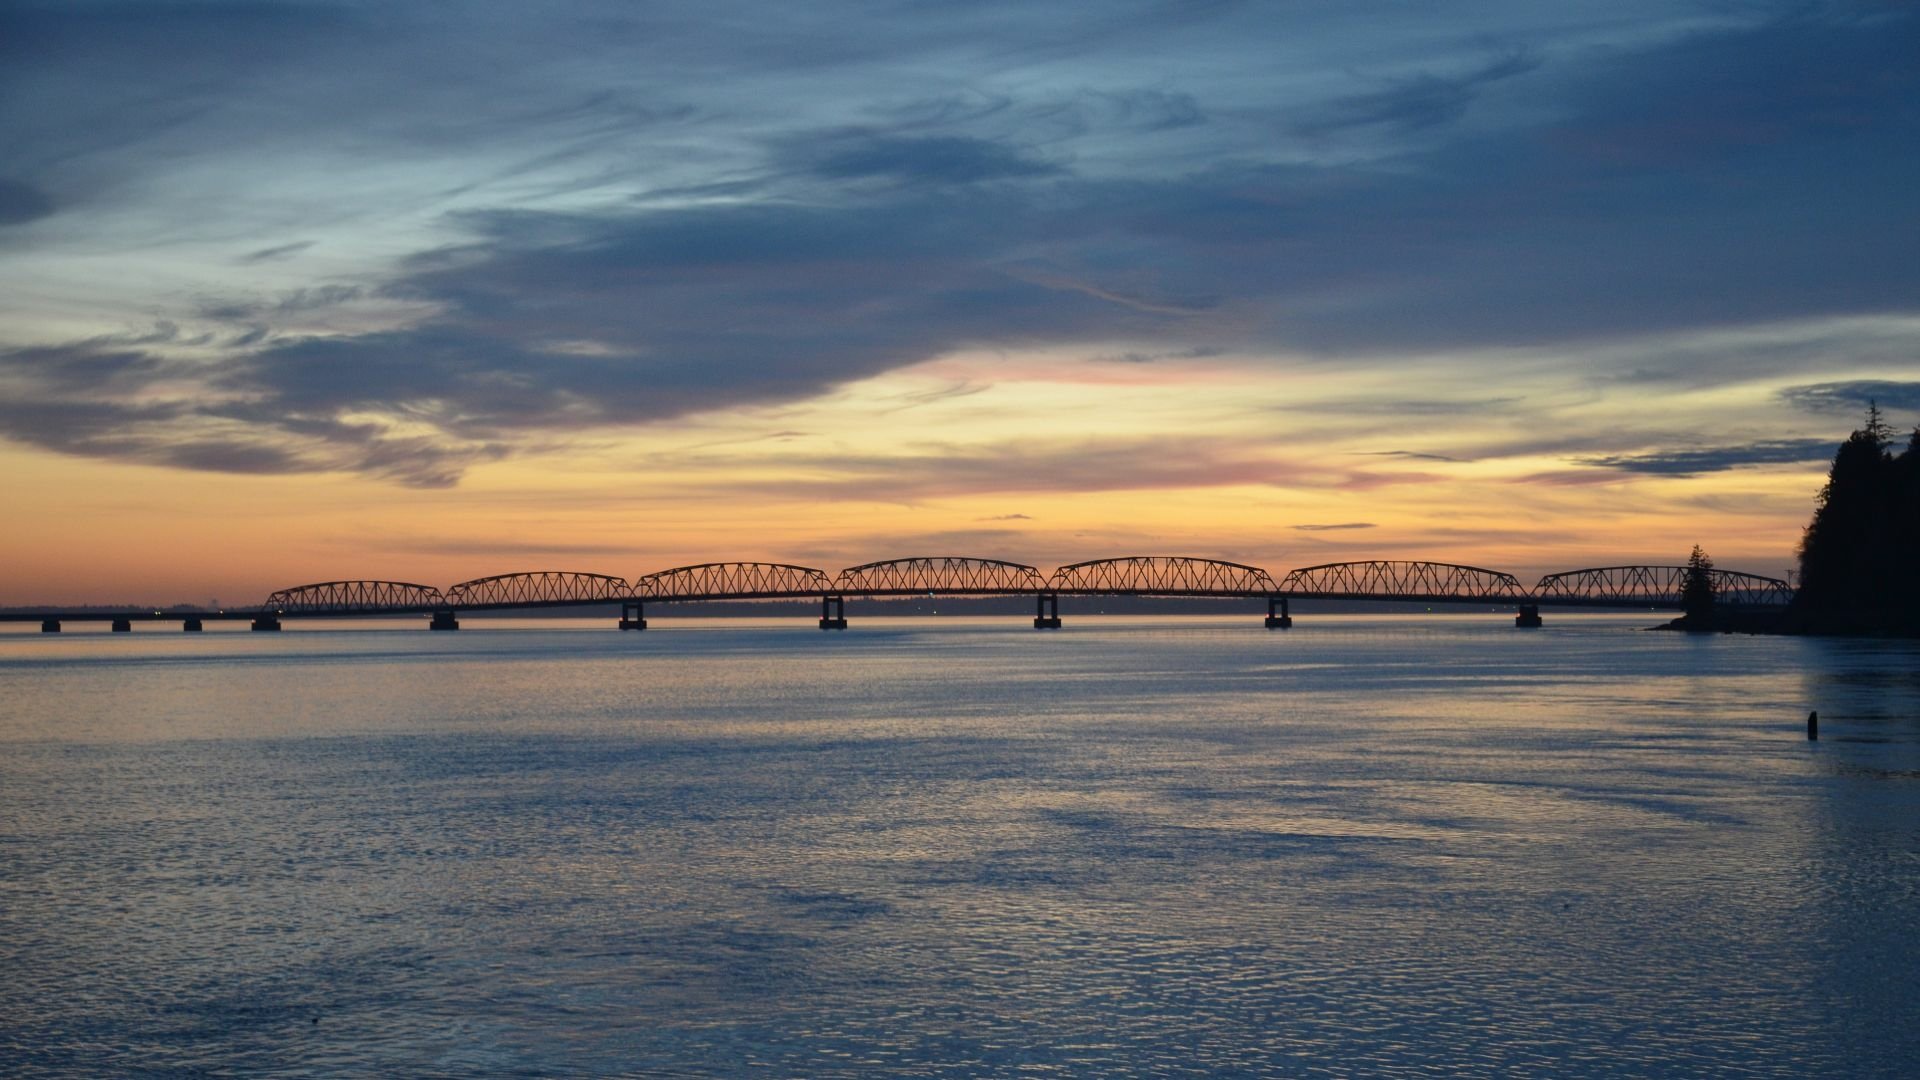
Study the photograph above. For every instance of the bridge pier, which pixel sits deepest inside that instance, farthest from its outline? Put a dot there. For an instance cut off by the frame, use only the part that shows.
(444, 620)
(632, 615)
(1529, 616)
(123, 626)
(49, 626)
(265, 623)
(833, 612)
(191, 625)
(1277, 617)
(1047, 612)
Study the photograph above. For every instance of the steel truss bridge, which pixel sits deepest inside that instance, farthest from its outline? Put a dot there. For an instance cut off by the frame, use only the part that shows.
(1655, 587)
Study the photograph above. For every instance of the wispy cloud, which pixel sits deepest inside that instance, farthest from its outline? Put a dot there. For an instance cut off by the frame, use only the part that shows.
(934, 471)
(1692, 462)
(936, 160)
(918, 398)
(1853, 396)
(1410, 454)
(1135, 357)
(1339, 527)
(281, 251)
(508, 546)
(1416, 407)
(21, 203)
(99, 400)
(1414, 103)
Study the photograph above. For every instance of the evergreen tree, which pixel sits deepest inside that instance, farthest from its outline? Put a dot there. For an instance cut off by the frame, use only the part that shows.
(1877, 428)
(1697, 595)
(1903, 533)
(1860, 556)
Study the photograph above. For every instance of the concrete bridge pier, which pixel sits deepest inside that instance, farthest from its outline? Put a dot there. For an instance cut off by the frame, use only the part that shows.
(632, 615)
(123, 626)
(266, 623)
(49, 626)
(191, 625)
(1529, 616)
(833, 613)
(1047, 612)
(444, 620)
(1277, 617)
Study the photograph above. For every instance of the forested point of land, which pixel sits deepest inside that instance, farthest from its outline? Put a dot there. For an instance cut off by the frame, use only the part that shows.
(1860, 556)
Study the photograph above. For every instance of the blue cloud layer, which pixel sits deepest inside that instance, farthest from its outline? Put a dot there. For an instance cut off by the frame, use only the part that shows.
(665, 211)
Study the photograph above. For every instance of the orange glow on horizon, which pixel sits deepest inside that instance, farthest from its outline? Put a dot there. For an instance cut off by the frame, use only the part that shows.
(1245, 463)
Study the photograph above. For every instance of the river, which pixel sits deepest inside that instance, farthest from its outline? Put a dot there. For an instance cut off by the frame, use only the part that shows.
(1379, 846)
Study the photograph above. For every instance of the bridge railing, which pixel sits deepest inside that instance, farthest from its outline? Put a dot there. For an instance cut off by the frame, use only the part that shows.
(939, 575)
(356, 597)
(1750, 590)
(538, 588)
(733, 581)
(1162, 575)
(1657, 586)
(1390, 579)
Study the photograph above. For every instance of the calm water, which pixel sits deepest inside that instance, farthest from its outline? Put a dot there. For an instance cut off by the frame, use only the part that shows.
(1177, 847)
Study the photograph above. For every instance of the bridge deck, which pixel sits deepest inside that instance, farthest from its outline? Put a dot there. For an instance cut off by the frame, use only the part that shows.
(1627, 588)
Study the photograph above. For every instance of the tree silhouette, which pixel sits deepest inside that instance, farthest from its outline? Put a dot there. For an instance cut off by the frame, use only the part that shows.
(1697, 595)
(1860, 555)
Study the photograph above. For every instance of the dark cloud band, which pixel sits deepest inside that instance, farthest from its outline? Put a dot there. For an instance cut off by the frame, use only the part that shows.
(1854, 396)
(1718, 459)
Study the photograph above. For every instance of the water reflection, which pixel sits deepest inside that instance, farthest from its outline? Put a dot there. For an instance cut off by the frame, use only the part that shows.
(1376, 847)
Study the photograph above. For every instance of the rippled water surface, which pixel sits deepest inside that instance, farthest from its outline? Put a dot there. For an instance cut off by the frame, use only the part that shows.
(1173, 847)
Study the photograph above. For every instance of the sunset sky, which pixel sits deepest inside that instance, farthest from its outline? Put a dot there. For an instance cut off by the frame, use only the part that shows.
(293, 291)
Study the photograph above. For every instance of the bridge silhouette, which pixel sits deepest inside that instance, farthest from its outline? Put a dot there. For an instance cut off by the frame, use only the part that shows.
(1653, 587)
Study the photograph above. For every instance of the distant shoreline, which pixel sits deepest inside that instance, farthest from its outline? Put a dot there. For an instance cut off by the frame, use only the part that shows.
(1788, 624)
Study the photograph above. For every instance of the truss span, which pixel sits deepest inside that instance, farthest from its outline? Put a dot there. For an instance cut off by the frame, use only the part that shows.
(939, 575)
(538, 588)
(1162, 575)
(1656, 586)
(733, 581)
(356, 598)
(1388, 579)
